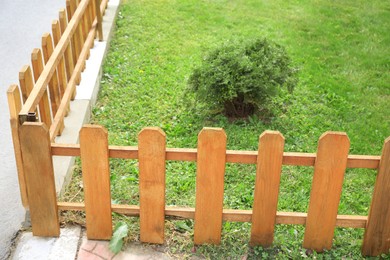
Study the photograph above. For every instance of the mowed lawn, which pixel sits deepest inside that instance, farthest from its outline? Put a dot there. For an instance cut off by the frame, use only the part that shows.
(342, 49)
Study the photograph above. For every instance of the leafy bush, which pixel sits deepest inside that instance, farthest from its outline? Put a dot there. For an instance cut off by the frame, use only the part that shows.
(239, 78)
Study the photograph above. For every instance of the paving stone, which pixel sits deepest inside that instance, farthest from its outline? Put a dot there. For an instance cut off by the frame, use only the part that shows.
(64, 247)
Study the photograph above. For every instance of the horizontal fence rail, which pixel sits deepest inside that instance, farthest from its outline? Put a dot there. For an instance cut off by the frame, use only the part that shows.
(245, 157)
(211, 156)
(49, 84)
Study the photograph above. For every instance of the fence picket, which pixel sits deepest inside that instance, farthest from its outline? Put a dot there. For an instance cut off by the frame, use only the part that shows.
(269, 167)
(39, 176)
(14, 104)
(211, 159)
(151, 142)
(56, 30)
(70, 9)
(26, 84)
(47, 49)
(377, 236)
(62, 79)
(26, 81)
(329, 169)
(99, 19)
(68, 56)
(44, 103)
(96, 178)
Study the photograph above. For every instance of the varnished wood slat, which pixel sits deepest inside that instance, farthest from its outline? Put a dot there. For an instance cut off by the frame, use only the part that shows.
(96, 180)
(377, 236)
(99, 19)
(62, 79)
(326, 188)
(68, 55)
(44, 103)
(269, 168)
(49, 69)
(26, 81)
(152, 184)
(232, 215)
(39, 176)
(189, 154)
(47, 48)
(70, 90)
(210, 172)
(14, 105)
(70, 8)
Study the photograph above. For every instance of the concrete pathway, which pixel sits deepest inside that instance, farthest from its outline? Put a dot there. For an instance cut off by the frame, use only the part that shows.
(22, 24)
(73, 244)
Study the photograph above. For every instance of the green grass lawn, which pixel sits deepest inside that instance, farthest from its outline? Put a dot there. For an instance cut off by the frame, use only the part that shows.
(342, 50)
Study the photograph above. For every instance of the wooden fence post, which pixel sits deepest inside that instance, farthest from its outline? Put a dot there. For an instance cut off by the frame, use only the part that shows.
(377, 236)
(14, 103)
(39, 175)
(151, 154)
(211, 160)
(44, 104)
(329, 169)
(96, 178)
(269, 167)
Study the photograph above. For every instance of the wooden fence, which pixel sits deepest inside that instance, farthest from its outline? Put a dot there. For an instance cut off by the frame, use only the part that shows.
(47, 88)
(330, 163)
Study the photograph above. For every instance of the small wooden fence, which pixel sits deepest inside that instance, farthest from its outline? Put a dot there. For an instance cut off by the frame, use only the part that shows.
(47, 89)
(330, 163)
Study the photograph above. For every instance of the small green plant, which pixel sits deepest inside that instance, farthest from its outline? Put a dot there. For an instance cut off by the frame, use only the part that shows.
(120, 232)
(239, 78)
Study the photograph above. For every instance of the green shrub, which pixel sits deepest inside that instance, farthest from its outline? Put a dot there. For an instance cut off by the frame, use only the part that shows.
(239, 78)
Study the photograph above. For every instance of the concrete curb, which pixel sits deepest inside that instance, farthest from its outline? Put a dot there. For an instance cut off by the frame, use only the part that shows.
(87, 91)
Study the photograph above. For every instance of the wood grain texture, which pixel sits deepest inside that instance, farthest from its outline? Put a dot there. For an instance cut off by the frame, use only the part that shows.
(210, 174)
(68, 55)
(47, 49)
(61, 72)
(26, 81)
(377, 236)
(62, 80)
(44, 103)
(99, 19)
(151, 155)
(96, 179)
(39, 176)
(329, 170)
(245, 157)
(233, 215)
(269, 168)
(14, 105)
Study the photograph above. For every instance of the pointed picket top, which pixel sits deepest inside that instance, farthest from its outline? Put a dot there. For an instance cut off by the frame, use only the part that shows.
(269, 168)
(329, 169)
(95, 166)
(377, 236)
(151, 156)
(210, 172)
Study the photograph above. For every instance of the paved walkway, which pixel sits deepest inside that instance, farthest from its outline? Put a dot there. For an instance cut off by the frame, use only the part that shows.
(73, 244)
